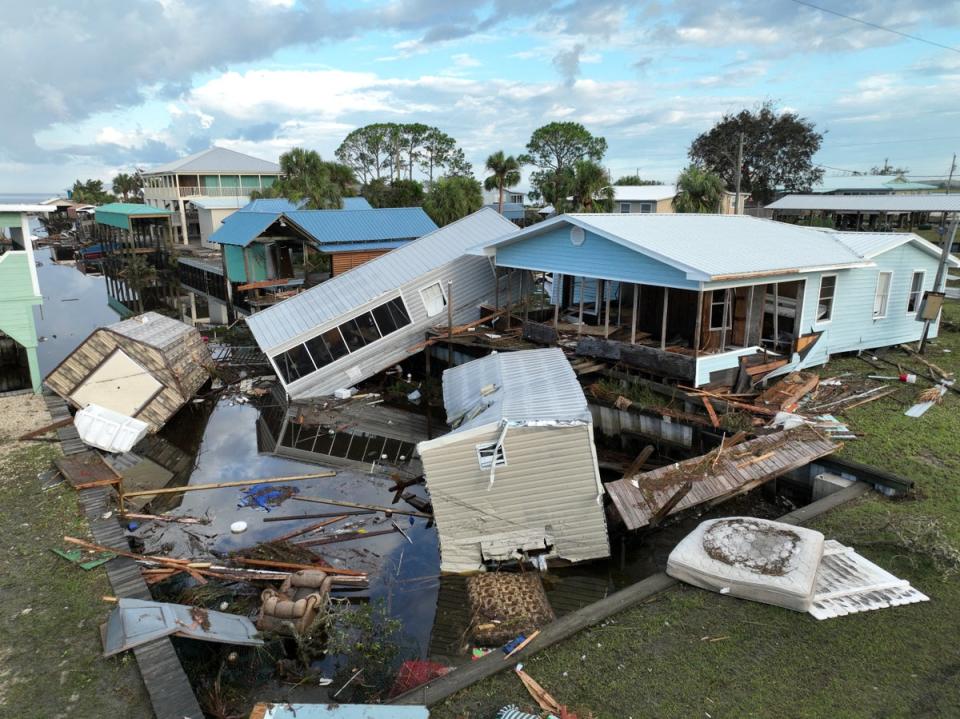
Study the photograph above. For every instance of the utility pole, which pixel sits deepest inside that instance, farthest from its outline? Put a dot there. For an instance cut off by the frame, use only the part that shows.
(939, 283)
(739, 169)
(953, 166)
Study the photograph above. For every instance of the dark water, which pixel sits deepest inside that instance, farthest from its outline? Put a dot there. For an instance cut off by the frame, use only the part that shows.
(402, 574)
(74, 305)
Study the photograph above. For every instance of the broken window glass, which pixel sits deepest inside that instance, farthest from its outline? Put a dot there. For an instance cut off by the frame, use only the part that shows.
(294, 363)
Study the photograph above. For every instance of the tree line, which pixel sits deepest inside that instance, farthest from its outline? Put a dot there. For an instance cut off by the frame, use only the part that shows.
(384, 161)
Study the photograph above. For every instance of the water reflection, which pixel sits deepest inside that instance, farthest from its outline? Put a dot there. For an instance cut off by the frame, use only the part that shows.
(74, 305)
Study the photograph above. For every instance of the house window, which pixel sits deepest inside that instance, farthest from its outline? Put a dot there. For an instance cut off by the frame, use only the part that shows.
(916, 292)
(337, 342)
(828, 288)
(646, 207)
(624, 207)
(433, 299)
(882, 296)
(720, 310)
(490, 455)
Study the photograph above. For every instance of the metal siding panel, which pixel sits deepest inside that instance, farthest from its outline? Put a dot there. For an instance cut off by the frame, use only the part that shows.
(363, 225)
(291, 319)
(549, 480)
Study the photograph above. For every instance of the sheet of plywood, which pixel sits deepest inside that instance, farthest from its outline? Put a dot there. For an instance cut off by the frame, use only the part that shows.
(120, 384)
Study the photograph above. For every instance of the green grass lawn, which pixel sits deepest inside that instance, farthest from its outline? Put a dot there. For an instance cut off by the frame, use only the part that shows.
(50, 654)
(658, 660)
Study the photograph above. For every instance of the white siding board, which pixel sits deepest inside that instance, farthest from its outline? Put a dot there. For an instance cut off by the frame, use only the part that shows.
(550, 481)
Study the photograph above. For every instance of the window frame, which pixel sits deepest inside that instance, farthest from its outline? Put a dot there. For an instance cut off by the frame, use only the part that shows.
(918, 292)
(423, 298)
(833, 298)
(886, 296)
(625, 211)
(497, 458)
(648, 208)
(727, 303)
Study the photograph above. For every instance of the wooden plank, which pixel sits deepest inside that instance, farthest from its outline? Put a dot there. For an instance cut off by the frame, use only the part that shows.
(86, 469)
(46, 428)
(714, 420)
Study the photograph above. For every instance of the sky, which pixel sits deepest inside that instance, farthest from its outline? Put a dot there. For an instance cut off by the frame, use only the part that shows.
(95, 87)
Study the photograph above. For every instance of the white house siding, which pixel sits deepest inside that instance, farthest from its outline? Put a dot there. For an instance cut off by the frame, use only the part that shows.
(210, 221)
(550, 483)
(473, 284)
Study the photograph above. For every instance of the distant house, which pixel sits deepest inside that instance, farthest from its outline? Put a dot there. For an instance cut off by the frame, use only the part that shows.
(869, 185)
(19, 294)
(654, 199)
(124, 231)
(514, 204)
(517, 476)
(146, 367)
(874, 211)
(360, 322)
(276, 251)
(703, 298)
(215, 172)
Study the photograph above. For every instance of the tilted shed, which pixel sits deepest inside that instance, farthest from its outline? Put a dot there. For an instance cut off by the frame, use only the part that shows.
(518, 474)
(145, 367)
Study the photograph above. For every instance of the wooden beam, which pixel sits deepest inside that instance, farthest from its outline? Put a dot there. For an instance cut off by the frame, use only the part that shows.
(40, 431)
(356, 505)
(697, 328)
(663, 321)
(221, 485)
(606, 311)
(633, 319)
(557, 297)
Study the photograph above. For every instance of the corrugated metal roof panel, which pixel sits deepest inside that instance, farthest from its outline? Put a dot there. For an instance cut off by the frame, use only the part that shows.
(242, 228)
(356, 203)
(713, 246)
(273, 204)
(218, 203)
(530, 386)
(868, 183)
(870, 203)
(361, 246)
(393, 223)
(218, 159)
(343, 293)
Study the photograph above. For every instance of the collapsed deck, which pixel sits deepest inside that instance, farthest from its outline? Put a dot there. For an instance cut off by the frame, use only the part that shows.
(715, 476)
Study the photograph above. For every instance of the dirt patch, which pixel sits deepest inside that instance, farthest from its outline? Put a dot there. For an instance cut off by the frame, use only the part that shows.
(752, 545)
(18, 415)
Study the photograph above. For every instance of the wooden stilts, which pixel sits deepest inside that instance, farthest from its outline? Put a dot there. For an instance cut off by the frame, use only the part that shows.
(663, 320)
(698, 325)
(633, 319)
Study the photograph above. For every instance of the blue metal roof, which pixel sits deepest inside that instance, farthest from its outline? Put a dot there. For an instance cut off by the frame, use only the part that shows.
(395, 223)
(356, 203)
(242, 228)
(360, 246)
(272, 204)
(511, 210)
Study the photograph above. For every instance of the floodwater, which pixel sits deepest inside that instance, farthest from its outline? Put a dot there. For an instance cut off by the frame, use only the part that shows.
(402, 573)
(74, 305)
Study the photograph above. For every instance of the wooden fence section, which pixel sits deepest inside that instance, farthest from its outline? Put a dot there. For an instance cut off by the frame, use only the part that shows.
(712, 478)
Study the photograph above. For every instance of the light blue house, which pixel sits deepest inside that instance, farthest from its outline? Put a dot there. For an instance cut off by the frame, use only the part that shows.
(703, 299)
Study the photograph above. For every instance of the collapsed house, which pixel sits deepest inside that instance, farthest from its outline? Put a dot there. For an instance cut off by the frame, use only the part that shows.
(707, 299)
(517, 476)
(358, 323)
(146, 367)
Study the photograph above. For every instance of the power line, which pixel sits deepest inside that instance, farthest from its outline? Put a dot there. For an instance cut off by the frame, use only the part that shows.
(876, 26)
(897, 142)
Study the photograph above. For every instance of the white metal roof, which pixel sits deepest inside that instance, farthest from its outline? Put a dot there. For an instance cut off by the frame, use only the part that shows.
(217, 160)
(868, 183)
(529, 386)
(643, 193)
(712, 247)
(927, 202)
(27, 208)
(343, 293)
(220, 203)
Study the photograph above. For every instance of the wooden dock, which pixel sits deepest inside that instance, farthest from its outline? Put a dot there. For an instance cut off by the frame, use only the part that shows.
(738, 469)
(163, 675)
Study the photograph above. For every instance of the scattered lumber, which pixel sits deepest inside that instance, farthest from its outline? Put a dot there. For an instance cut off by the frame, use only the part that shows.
(356, 505)
(346, 537)
(787, 392)
(714, 420)
(638, 464)
(40, 431)
(221, 485)
(297, 567)
(308, 529)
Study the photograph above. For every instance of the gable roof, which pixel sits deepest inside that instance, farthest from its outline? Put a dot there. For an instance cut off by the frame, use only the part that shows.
(355, 203)
(927, 202)
(873, 244)
(712, 247)
(242, 228)
(643, 193)
(218, 160)
(342, 293)
(528, 387)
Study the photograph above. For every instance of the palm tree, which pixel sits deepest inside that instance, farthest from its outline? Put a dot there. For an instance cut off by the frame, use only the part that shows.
(698, 190)
(138, 275)
(591, 188)
(124, 185)
(506, 173)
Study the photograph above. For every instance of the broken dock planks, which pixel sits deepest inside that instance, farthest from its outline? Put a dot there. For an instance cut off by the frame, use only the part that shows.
(717, 475)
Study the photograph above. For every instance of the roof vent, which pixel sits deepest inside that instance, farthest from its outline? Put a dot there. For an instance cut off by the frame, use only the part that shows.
(577, 236)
